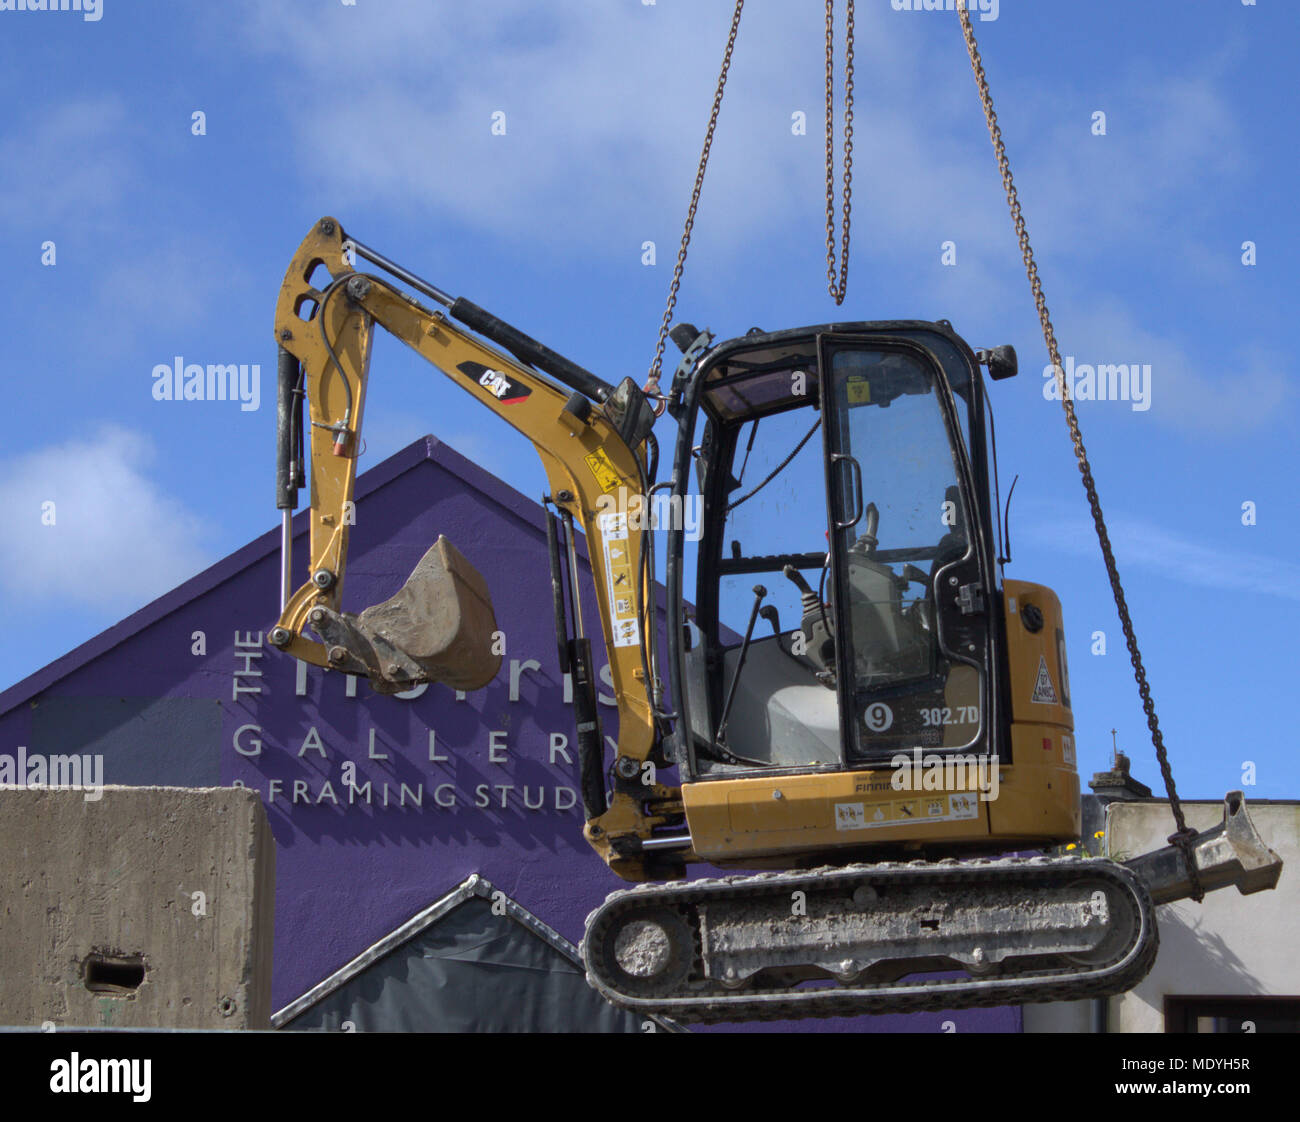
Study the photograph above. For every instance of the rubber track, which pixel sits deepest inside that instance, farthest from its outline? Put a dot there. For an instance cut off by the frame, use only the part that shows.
(709, 1002)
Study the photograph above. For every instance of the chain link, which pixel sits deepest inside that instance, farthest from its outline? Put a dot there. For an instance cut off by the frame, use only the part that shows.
(1182, 837)
(656, 365)
(837, 291)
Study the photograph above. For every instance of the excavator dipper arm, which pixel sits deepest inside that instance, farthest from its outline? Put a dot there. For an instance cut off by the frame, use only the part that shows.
(440, 626)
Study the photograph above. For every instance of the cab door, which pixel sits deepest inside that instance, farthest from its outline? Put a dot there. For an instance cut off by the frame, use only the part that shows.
(910, 599)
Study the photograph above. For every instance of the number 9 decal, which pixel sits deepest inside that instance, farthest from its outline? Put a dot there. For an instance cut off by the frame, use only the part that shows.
(878, 716)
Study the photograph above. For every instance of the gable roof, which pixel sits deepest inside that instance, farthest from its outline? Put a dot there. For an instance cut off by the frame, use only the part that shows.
(427, 449)
(474, 886)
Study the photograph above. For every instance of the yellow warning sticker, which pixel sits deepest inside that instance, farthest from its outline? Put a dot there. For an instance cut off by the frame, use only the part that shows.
(602, 467)
(902, 812)
(619, 572)
(859, 391)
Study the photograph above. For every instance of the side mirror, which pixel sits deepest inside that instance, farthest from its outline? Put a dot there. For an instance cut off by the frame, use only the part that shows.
(1001, 361)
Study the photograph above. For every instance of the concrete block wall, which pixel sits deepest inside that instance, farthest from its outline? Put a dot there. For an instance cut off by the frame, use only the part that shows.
(145, 907)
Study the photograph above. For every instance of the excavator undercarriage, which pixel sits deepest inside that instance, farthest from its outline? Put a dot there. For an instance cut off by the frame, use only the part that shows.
(901, 937)
(877, 937)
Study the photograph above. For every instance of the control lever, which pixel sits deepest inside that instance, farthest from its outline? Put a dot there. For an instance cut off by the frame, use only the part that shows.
(913, 575)
(720, 736)
(815, 626)
(769, 613)
(808, 600)
(868, 539)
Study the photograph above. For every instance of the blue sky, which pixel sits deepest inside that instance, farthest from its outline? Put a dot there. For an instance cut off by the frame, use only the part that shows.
(169, 243)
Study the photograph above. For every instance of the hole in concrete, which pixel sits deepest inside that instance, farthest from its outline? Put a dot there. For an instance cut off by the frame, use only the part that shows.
(113, 974)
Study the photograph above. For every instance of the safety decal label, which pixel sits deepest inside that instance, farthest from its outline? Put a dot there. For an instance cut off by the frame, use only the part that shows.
(859, 391)
(602, 467)
(619, 573)
(902, 812)
(849, 816)
(1044, 692)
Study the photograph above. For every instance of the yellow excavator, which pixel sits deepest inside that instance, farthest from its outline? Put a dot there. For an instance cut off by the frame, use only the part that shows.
(908, 707)
(897, 723)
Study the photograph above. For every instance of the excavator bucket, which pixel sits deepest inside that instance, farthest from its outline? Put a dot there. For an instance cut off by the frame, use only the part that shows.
(437, 627)
(1232, 853)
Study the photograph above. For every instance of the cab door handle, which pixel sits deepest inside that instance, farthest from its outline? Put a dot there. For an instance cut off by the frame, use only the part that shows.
(855, 471)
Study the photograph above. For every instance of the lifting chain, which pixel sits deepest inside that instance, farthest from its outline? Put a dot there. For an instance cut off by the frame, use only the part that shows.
(1183, 835)
(652, 380)
(837, 290)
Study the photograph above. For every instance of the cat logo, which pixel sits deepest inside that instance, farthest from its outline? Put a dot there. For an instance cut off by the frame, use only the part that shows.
(495, 382)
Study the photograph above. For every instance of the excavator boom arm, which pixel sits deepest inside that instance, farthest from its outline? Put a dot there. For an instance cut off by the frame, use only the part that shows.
(595, 472)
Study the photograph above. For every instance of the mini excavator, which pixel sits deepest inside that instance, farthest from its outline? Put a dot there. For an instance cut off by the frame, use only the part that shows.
(905, 722)
(898, 724)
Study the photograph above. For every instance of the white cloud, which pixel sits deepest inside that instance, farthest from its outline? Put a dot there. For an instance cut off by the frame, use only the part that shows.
(1221, 392)
(606, 107)
(605, 111)
(1172, 144)
(1187, 560)
(116, 542)
(64, 165)
(164, 285)
(157, 296)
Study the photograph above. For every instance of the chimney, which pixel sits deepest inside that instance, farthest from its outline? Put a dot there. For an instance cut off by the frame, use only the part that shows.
(1117, 783)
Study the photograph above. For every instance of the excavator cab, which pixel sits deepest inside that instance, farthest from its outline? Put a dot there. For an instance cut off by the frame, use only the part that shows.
(848, 625)
(844, 496)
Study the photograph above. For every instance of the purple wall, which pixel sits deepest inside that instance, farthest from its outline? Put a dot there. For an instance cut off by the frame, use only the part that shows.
(350, 870)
